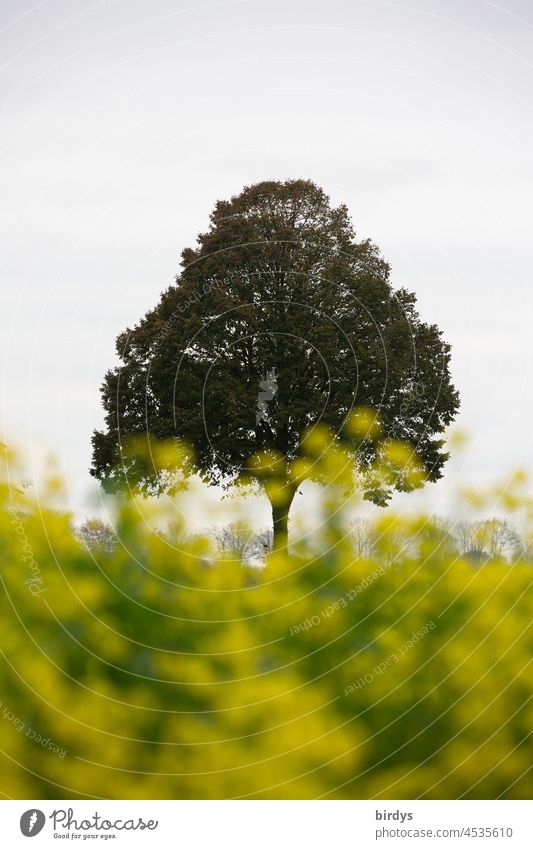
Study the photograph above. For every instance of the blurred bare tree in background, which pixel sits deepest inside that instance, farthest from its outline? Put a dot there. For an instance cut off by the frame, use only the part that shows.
(97, 534)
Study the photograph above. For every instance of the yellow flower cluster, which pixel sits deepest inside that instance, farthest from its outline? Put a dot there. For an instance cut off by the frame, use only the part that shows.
(161, 671)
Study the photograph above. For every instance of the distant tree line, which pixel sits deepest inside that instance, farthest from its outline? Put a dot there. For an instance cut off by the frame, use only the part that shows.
(478, 542)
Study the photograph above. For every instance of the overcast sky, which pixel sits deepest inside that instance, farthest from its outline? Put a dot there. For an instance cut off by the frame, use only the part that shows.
(124, 120)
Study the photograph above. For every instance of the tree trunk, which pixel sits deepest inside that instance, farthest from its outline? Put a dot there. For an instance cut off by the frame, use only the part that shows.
(280, 522)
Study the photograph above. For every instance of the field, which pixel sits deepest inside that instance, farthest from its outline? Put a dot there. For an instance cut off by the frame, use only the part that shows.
(159, 670)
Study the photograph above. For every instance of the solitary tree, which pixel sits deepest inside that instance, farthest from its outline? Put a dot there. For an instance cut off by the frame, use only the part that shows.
(279, 320)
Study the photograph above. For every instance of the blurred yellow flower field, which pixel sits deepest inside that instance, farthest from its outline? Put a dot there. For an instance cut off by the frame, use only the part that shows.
(157, 670)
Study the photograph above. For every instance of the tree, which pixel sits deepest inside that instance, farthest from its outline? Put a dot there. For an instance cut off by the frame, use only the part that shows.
(364, 537)
(279, 320)
(487, 539)
(241, 541)
(97, 534)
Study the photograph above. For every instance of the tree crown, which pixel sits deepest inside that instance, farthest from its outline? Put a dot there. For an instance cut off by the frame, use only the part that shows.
(280, 320)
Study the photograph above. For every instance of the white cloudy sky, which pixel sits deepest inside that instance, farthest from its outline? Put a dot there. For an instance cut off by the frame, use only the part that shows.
(124, 120)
